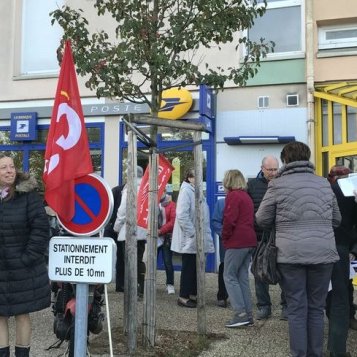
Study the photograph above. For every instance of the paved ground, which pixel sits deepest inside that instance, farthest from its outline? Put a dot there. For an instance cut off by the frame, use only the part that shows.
(268, 338)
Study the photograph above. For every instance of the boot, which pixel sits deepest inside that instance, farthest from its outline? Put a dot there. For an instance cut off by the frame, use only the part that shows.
(22, 351)
(5, 351)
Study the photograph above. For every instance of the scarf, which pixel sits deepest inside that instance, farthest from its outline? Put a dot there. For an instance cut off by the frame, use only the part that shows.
(4, 192)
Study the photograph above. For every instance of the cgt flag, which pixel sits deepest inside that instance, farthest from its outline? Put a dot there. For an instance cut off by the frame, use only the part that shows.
(164, 174)
(67, 151)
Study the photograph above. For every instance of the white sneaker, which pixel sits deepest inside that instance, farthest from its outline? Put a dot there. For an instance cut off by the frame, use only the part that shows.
(170, 289)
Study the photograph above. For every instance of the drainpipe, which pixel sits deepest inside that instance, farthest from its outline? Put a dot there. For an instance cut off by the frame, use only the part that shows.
(310, 123)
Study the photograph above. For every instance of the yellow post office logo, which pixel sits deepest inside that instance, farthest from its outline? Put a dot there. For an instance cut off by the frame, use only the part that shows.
(175, 103)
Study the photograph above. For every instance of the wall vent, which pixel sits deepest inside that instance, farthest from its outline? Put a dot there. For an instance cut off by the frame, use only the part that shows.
(292, 100)
(263, 102)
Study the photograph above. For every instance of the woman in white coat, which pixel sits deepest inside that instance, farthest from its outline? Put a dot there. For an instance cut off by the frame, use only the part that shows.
(120, 228)
(184, 239)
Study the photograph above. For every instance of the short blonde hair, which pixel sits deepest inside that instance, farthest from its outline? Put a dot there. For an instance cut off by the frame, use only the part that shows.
(234, 179)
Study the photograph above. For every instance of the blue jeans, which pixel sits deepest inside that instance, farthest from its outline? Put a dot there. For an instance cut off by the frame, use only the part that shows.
(236, 278)
(305, 288)
(167, 258)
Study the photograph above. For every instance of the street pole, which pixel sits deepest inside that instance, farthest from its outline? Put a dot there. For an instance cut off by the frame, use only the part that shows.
(81, 320)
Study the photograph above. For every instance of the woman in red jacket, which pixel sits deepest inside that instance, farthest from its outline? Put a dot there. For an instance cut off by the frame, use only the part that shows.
(167, 215)
(239, 240)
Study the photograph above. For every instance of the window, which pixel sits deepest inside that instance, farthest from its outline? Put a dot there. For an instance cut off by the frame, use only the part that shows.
(337, 123)
(40, 39)
(351, 124)
(338, 36)
(283, 24)
(324, 126)
(263, 102)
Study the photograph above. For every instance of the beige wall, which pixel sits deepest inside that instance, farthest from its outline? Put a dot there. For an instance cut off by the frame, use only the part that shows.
(339, 67)
(332, 9)
(14, 87)
(246, 98)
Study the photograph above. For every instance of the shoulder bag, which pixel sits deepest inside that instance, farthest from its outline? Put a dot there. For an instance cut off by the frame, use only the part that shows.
(264, 267)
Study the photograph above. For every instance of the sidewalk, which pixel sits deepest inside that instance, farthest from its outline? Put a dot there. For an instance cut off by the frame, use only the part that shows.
(266, 338)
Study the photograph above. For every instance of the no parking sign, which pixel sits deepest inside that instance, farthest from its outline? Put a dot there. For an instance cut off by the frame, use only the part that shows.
(93, 206)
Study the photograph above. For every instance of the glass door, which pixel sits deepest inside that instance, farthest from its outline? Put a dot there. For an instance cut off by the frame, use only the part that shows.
(345, 158)
(177, 146)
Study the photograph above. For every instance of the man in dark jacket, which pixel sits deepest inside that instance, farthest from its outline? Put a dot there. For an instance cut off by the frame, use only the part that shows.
(109, 232)
(256, 189)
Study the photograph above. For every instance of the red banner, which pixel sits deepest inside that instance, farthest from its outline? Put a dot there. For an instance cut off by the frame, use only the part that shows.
(67, 154)
(164, 174)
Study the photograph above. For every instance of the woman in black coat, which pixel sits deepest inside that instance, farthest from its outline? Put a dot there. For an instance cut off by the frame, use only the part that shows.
(24, 236)
(338, 304)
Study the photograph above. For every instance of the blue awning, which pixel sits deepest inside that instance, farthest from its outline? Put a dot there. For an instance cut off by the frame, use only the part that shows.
(246, 140)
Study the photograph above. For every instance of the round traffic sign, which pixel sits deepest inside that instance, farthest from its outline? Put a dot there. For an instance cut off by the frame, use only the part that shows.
(93, 206)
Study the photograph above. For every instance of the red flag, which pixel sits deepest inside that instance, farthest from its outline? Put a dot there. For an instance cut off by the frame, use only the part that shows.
(67, 151)
(164, 174)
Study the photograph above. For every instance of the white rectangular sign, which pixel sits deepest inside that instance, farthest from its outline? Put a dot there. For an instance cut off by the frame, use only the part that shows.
(82, 260)
(348, 184)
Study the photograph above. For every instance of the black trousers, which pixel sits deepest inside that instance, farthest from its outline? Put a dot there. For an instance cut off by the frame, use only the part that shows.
(188, 282)
(222, 292)
(120, 266)
(337, 303)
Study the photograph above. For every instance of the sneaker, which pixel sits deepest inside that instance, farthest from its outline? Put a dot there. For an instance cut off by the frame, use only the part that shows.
(284, 314)
(222, 303)
(251, 321)
(170, 289)
(263, 312)
(239, 320)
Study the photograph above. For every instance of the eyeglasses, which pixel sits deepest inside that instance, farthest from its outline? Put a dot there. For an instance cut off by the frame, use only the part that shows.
(270, 170)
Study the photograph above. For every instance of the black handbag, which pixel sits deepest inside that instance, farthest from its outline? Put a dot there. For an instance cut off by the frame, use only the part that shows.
(264, 267)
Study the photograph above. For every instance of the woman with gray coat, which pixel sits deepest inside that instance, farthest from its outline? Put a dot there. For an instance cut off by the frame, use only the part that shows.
(304, 209)
(184, 239)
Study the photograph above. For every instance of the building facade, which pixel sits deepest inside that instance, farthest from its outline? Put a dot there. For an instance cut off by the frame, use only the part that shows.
(306, 90)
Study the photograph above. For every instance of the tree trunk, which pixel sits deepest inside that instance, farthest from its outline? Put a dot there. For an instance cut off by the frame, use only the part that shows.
(131, 276)
(200, 257)
(149, 318)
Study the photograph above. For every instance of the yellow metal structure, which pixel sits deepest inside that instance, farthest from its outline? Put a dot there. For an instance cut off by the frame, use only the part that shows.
(333, 105)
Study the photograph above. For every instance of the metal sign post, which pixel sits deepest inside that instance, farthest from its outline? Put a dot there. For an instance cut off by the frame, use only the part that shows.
(82, 261)
(86, 260)
(81, 320)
